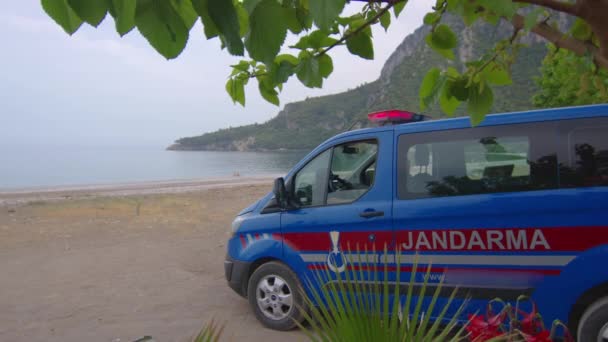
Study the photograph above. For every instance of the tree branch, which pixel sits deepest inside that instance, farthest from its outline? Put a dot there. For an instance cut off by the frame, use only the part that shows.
(554, 5)
(563, 41)
(359, 29)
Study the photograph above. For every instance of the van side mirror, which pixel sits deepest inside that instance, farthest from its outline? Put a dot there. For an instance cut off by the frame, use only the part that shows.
(280, 194)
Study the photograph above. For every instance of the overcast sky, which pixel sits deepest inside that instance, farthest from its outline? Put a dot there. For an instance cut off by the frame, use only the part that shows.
(96, 88)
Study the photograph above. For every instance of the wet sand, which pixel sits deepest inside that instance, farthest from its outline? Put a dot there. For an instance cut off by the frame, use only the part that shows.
(116, 263)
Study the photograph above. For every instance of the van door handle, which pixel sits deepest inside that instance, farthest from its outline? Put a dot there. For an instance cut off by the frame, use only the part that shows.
(370, 214)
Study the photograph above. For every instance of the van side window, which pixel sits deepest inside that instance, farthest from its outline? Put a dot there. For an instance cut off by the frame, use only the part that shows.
(475, 161)
(341, 174)
(310, 184)
(586, 162)
(353, 167)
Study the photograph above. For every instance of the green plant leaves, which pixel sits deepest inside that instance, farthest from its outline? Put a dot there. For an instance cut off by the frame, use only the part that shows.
(283, 67)
(226, 20)
(209, 27)
(361, 44)
(398, 7)
(268, 31)
(496, 74)
(431, 18)
(186, 12)
(325, 12)
(442, 39)
(480, 102)
(62, 14)
(385, 20)
(581, 30)
(124, 15)
(447, 102)
(162, 26)
(267, 90)
(502, 8)
(308, 71)
(429, 87)
(316, 40)
(236, 89)
(91, 11)
(326, 65)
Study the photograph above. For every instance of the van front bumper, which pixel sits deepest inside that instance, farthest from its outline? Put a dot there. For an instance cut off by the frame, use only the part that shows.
(237, 275)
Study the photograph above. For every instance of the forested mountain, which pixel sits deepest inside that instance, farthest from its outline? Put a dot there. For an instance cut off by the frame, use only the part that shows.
(304, 124)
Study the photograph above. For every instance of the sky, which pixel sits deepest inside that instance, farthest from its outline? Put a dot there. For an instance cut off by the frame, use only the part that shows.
(95, 88)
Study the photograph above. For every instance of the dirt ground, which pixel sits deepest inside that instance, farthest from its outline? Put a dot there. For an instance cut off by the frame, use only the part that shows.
(119, 268)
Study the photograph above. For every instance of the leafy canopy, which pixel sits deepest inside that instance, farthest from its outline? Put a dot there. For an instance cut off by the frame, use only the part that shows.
(257, 30)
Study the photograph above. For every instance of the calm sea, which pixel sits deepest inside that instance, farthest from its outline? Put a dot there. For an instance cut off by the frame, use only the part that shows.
(44, 166)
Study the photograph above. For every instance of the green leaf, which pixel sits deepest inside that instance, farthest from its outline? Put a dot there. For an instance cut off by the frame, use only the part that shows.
(243, 20)
(242, 66)
(291, 18)
(326, 65)
(91, 11)
(480, 102)
(385, 20)
(447, 102)
(325, 12)
(201, 7)
(62, 14)
(250, 5)
(496, 74)
(268, 31)
(431, 18)
(267, 91)
(459, 89)
(469, 12)
(164, 29)
(428, 88)
(316, 40)
(125, 15)
(447, 53)
(581, 30)
(443, 37)
(281, 70)
(236, 89)
(361, 45)
(185, 10)
(502, 8)
(225, 18)
(398, 7)
(303, 15)
(293, 60)
(308, 71)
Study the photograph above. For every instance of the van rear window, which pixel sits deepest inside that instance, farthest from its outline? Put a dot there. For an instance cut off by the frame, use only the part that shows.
(475, 161)
(586, 162)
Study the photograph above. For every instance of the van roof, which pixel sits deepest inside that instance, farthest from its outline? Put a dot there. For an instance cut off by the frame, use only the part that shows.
(491, 120)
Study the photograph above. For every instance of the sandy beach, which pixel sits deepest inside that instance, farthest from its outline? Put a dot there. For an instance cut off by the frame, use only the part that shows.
(118, 262)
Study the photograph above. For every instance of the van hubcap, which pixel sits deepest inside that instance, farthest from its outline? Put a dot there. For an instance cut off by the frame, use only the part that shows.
(274, 297)
(603, 335)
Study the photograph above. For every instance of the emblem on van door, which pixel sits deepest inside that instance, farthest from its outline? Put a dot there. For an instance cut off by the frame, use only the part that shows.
(336, 261)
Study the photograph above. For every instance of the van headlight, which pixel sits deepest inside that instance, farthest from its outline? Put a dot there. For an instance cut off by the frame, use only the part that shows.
(236, 224)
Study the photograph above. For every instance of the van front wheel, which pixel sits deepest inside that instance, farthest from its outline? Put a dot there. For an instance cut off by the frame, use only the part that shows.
(593, 326)
(275, 295)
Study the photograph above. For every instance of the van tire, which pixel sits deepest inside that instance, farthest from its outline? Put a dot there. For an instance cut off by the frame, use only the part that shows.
(593, 322)
(276, 274)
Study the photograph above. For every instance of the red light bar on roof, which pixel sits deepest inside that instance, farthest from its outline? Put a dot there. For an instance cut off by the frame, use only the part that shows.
(394, 116)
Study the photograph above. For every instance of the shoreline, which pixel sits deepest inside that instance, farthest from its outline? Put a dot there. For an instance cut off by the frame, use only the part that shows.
(12, 197)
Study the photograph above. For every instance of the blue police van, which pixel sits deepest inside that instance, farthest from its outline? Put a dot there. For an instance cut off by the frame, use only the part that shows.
(515, 206)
